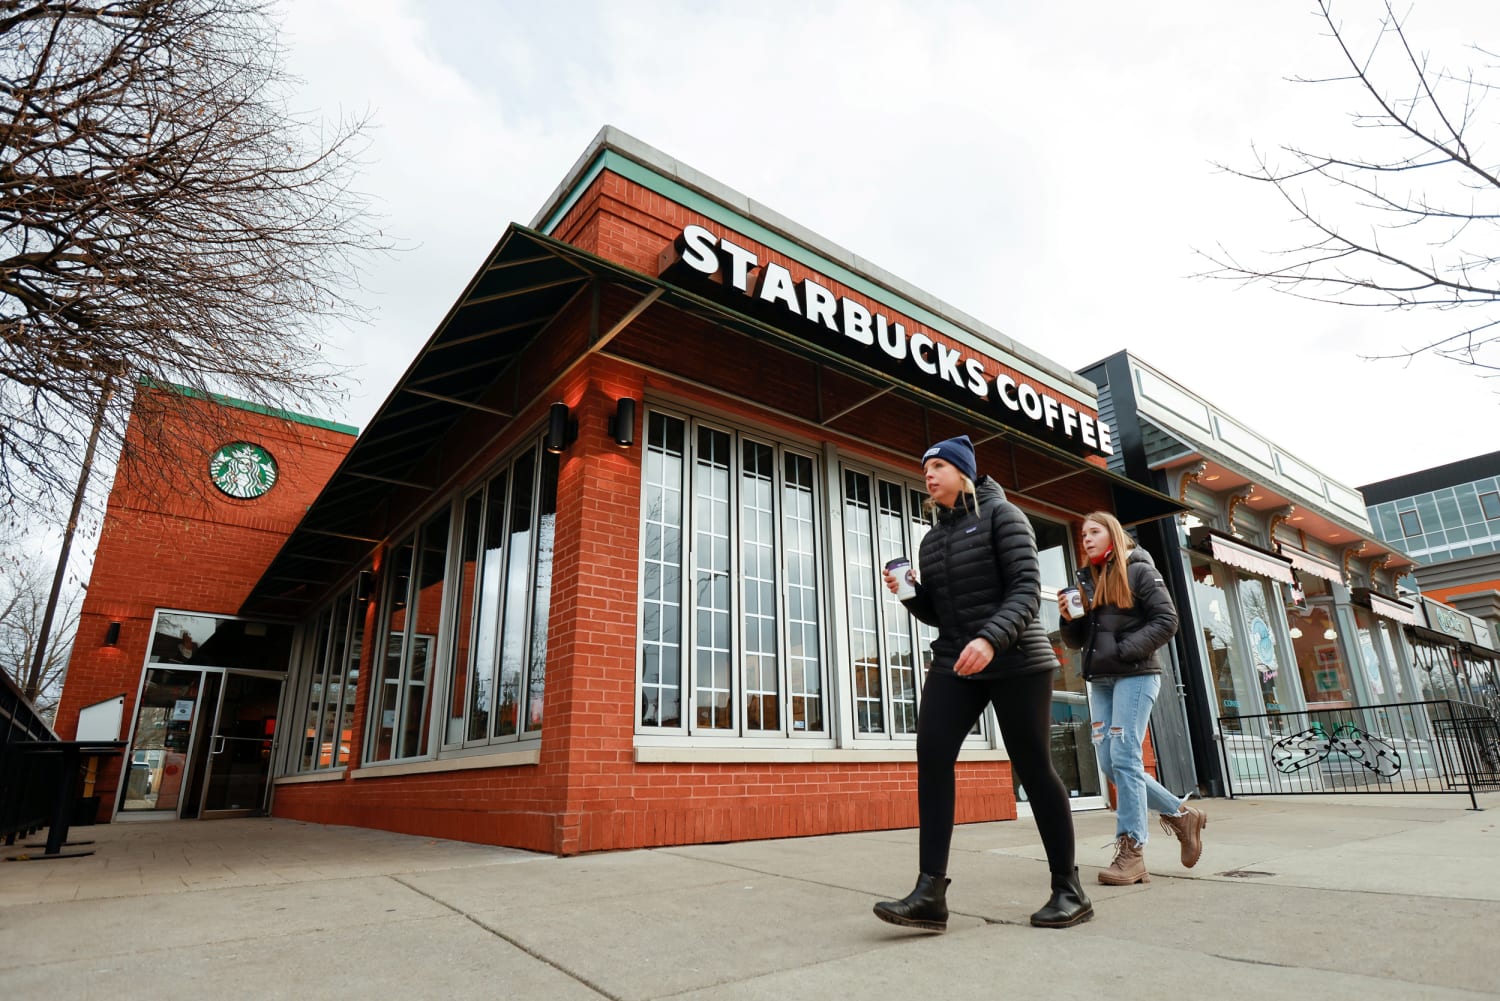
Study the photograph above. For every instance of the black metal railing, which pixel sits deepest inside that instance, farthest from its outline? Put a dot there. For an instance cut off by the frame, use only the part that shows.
(1438, 746)
(26, 783)
(39, 776)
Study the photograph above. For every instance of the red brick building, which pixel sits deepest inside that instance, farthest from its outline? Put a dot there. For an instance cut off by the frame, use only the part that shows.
(171, 540)
(603, 570)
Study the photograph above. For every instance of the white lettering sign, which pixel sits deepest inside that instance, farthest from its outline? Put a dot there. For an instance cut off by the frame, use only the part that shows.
(772, 284)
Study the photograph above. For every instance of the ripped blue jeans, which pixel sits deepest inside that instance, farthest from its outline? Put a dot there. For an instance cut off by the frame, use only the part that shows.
(1121, 709)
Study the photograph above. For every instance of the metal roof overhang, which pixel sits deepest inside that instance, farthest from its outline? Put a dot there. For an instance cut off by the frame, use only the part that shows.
(525, 283)
(528, 280)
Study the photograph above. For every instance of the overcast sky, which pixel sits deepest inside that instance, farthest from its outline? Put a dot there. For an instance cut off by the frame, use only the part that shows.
(1046, 168)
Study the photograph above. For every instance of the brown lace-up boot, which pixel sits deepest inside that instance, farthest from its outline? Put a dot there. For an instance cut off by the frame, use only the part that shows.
(1129, 865)
(1187, 827)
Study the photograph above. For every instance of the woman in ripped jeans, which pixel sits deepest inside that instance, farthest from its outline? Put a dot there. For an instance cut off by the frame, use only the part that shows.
(1128, 618)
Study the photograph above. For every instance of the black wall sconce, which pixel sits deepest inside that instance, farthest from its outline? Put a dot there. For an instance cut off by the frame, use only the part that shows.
(364, 585)
(562, 429)
(112, 634)
(622, 424)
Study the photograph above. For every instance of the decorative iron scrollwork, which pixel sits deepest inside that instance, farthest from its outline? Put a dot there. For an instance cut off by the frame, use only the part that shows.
(1303, 750)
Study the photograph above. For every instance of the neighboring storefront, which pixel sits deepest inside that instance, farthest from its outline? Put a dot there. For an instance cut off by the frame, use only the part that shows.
(1448, 517)
(603, 570)
(1267, 565)
(1454, 654)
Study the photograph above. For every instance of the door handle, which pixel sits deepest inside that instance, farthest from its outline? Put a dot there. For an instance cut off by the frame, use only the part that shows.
(217, 746)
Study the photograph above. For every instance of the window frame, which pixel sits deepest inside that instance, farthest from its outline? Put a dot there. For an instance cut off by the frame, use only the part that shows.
(542, 465)
(1490, 500)
(408, 580)
(313, 658)
(655, 568)
(893, 622)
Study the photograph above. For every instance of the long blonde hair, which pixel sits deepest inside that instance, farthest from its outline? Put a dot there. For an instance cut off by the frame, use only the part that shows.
(1112, 578)
(930, 506)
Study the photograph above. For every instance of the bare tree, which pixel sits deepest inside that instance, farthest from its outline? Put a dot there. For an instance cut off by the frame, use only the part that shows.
(23, 600)
(165, 219)
(1403, 215)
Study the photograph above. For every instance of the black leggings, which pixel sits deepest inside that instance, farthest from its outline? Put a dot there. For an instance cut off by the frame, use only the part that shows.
(1023, 705)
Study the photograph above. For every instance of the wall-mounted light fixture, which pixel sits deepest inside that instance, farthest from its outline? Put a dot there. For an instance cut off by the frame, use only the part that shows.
(364, 585)
(562, 429)
(622, 424)
(112, 634)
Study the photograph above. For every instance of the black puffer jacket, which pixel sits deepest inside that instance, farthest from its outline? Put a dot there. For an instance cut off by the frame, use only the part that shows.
(980, 577)
(1117, 642)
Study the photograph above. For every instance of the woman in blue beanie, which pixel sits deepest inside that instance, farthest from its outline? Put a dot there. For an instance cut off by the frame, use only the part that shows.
(981, 587)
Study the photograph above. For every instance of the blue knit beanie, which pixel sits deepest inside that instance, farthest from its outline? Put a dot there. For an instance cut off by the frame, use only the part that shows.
(958, 452)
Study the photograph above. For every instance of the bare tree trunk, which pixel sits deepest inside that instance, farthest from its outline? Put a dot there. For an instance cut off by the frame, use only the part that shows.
(33, 684)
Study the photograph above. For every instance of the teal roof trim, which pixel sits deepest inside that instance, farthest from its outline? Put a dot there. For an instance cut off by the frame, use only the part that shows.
(254, 408)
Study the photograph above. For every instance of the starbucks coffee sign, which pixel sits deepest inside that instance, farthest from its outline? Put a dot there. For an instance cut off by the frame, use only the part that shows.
(768, 289)
(243, 470)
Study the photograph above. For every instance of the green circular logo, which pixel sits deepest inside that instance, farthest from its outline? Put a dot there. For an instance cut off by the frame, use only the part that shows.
(242, 469)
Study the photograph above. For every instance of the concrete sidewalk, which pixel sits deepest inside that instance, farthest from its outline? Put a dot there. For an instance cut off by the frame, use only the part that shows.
(1331, 897)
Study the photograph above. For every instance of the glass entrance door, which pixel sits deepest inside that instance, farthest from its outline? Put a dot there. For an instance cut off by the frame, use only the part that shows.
(238, 772)
(161, 747)
(202, 744)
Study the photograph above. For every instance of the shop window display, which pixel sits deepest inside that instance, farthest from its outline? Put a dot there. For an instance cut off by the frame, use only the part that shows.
(1212, 612)
(1381, 669)
(1275, 689)
(1327, 682)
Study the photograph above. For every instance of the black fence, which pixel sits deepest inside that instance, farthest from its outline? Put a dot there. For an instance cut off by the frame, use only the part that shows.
(39, 777)
(25, 782)
(1440, 746)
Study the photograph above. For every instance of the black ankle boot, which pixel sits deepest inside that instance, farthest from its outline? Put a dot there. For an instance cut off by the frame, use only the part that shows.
(1069, 905)
(926, 907)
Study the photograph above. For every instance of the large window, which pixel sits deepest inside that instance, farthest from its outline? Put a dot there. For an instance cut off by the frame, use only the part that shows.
(731, 638)
(332, 676)
(491, 616)
(416, 579)
(1382, 669)
(889, 650)
(1276, 692)
(1212, 611)
(502, 599)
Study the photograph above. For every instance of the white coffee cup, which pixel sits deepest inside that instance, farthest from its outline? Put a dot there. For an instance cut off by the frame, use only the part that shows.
(1075, 601)
(900, 568)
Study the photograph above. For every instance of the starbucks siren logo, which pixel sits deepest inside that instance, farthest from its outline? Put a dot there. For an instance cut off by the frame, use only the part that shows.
(242, 470)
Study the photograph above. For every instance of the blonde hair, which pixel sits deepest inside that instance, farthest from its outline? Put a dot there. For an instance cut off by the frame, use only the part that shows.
(1112, 578)
(930, 506)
